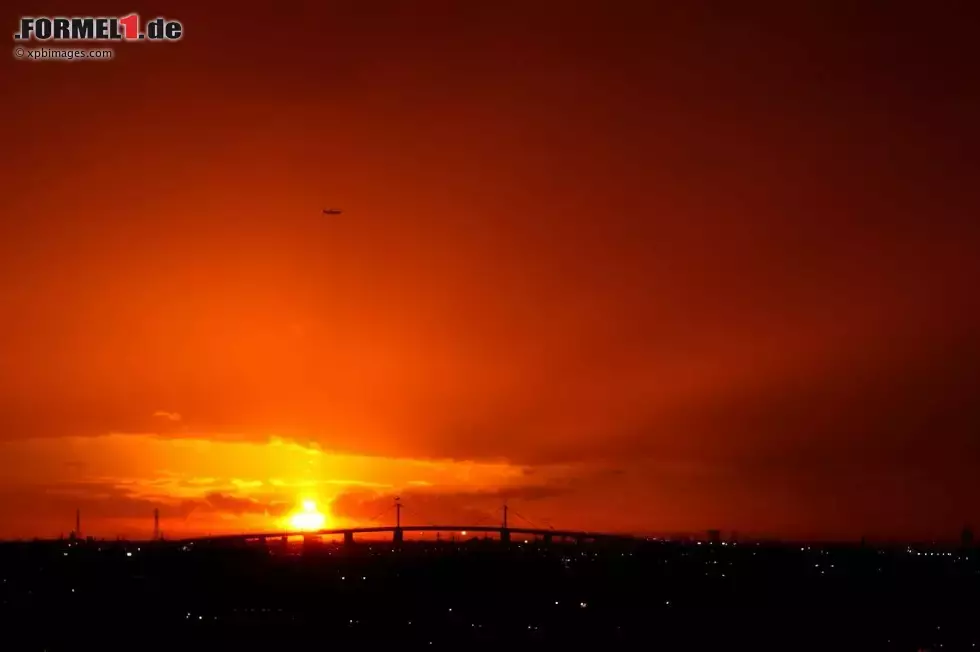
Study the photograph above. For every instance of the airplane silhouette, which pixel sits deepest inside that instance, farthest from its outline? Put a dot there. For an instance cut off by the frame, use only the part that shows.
(331, 211)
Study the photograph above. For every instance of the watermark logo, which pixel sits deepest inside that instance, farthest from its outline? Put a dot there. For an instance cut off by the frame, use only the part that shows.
(63, 54)
(97, 28)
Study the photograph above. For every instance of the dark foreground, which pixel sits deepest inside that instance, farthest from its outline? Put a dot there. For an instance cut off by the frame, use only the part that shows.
(482, 595)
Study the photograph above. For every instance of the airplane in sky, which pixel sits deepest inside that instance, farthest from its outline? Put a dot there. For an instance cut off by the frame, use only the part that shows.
(331, 211)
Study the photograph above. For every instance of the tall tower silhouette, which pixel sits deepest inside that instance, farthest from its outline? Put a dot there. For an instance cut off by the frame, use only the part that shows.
(78, 523)
(398, 534)
(504, 532)
(156, 524)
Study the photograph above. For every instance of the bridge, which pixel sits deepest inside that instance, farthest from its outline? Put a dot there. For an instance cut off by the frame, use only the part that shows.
(398, 532)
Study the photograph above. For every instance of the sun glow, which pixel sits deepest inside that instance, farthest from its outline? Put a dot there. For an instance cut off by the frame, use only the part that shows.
(308, 518)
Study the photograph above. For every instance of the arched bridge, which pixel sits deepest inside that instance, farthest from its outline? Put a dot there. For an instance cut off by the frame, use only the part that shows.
(397, 532)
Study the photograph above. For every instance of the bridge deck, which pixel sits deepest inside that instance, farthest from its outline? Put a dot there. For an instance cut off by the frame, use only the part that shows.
(417, 528)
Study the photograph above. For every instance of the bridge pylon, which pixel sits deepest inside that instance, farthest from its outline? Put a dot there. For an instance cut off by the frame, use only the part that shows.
(504, 531)
(398, 535)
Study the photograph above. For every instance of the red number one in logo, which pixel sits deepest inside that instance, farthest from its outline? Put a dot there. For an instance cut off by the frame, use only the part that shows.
(131, 26)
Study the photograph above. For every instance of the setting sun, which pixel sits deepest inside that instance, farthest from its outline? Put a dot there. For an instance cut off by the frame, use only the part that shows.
(309, 518)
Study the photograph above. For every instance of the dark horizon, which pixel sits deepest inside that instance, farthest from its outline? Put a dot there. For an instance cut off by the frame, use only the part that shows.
(474, 595)
(456, 532)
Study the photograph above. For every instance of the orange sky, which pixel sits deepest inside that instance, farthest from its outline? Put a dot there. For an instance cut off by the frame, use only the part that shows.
(633, 269)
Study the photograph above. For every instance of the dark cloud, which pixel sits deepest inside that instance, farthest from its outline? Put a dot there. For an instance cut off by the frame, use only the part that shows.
(225, 503)
(51, 509)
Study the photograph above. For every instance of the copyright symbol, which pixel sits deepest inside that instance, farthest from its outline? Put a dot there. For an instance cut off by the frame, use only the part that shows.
(19, 53)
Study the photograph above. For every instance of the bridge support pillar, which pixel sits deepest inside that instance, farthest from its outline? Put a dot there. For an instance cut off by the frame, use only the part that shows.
(348, 538)
(547, 538)
(504, 535)
(398, 536)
